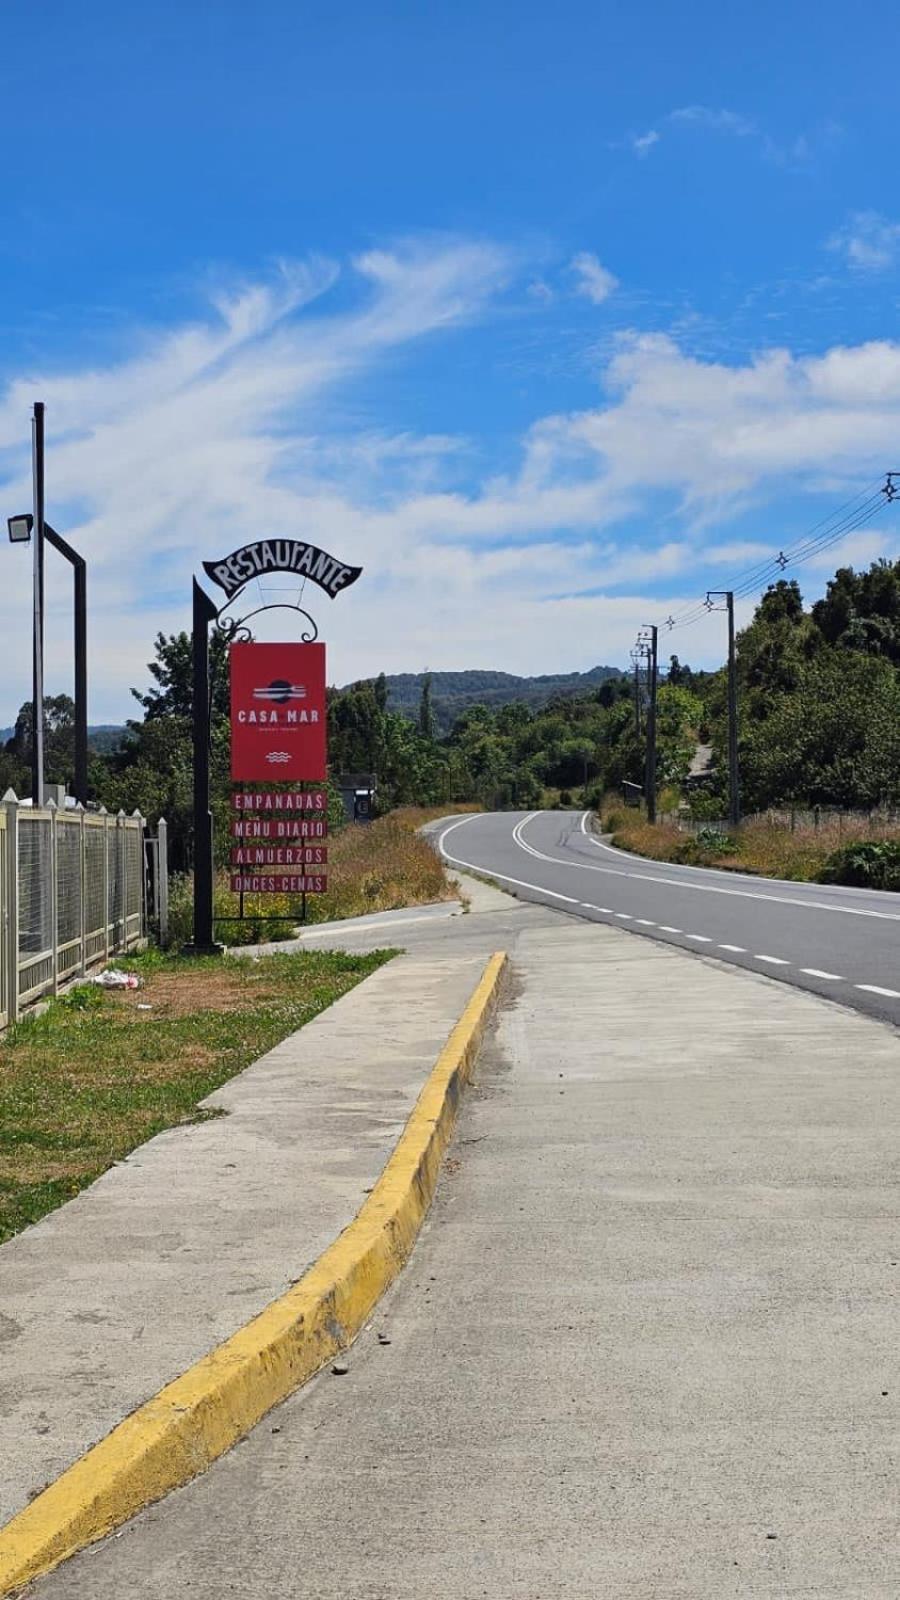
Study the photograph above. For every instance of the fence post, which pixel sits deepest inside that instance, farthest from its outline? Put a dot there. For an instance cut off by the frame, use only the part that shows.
(54, 895)
(141, 856)
(162, 864)
(82, 863)
(11, 909)
(104, 815)
(121, 842)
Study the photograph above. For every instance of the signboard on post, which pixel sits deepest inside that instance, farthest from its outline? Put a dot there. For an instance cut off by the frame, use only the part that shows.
(278, 713)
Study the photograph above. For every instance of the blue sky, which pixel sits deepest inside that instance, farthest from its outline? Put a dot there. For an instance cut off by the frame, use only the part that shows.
(550, 316)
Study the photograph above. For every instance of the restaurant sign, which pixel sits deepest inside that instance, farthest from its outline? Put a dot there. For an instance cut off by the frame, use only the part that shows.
(278, 713)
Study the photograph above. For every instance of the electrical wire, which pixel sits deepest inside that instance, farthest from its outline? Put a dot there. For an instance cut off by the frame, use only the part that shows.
(846, 519)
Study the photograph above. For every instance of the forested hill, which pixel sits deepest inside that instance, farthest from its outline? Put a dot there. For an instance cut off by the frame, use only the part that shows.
(452, 692)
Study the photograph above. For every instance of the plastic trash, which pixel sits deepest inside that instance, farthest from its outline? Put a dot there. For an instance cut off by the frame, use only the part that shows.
(116, 979)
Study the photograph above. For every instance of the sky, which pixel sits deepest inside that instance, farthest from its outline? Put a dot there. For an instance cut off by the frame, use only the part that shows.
(549, 317)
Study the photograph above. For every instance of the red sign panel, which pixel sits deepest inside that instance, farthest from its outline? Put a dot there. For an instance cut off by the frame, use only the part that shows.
(311, 800)
(279, 855)
(279, 829)
(278, 718)
(279, 883)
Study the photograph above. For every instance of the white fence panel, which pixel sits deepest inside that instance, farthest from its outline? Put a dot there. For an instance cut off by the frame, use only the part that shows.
(72, 894)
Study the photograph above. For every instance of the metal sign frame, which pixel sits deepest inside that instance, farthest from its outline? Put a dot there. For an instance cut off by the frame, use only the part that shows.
(304, 561)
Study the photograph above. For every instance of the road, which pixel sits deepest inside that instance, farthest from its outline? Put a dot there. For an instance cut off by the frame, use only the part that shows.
(840, 943)
(645, 1347)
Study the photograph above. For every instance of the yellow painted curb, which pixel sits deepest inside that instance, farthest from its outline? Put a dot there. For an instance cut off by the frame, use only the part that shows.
(178, 1433)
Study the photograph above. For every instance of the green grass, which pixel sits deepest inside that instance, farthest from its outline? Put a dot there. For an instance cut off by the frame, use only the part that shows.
(93, 1076)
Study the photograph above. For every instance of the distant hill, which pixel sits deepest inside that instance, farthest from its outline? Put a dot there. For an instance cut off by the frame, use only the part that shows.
(102, 738)
(451, 692)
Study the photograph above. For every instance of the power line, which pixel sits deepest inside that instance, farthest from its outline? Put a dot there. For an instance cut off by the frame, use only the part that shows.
(848, 517)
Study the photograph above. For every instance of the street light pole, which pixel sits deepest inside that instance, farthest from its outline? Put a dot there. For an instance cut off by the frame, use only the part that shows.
(20, 531)
(37, 698)
(79, 567)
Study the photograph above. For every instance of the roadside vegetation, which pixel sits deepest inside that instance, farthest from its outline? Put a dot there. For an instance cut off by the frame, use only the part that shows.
(375, 866)
(99, 1072)
(819, 726)
(844, 850)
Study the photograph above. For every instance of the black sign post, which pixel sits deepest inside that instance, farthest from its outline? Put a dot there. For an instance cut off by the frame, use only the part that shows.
(203, 943)
(233, 573)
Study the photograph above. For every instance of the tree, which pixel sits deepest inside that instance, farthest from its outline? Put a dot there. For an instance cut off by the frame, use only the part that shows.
(426, 714)
(172, 694)
(59, 739)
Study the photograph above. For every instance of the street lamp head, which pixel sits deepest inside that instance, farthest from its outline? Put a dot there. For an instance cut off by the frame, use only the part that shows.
(20, 528)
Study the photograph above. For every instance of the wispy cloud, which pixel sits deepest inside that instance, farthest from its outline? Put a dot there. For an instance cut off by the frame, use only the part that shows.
(594, 281)
(793, 153)
(719, 120)
(253, 418)
(642, 143)
(868, 241)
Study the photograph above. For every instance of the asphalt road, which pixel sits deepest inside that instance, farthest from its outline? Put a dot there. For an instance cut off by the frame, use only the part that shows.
(841, 943)
(646, 1345)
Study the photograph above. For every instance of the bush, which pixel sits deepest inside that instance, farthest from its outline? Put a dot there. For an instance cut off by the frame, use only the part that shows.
(715, 842)
(616, 819)
(706, 807)
(873, 864)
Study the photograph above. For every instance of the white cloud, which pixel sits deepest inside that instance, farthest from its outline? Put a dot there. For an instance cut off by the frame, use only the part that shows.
(717, 120)
(643, 143)
(249, 420)
(868, 242)
(595, 282)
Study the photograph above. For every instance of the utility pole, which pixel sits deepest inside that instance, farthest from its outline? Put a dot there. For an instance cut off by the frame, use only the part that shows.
(37, 696)
(734, 789)
(650, 779)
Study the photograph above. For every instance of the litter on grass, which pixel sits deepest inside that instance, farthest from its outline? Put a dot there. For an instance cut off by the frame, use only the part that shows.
(115, 979)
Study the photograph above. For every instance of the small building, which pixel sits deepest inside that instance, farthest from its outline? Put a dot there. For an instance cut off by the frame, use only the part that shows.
(358, 791)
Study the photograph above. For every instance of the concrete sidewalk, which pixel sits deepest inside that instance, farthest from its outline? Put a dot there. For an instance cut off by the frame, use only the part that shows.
(171, 1251)
(646, 1347)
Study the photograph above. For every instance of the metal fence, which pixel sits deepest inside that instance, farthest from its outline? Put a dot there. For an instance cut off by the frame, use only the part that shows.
(794, 817)
(72, 894)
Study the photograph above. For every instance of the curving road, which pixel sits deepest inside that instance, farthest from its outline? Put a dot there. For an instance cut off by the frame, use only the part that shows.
(841, 943)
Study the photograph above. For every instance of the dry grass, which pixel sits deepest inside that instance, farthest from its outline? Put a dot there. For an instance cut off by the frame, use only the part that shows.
(771, 849)
(376, 866)
(94, 1076)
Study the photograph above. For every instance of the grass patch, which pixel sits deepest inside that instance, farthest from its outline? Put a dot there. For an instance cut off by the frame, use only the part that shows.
(93, 1076)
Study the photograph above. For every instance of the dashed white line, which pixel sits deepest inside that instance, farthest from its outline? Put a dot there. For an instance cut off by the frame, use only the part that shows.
(775, 961)
(645, 922)
(664, 929)
(700, 938)
(708, 888)
(625, 915)
(874, 988)
(737, 948)
(815, 972)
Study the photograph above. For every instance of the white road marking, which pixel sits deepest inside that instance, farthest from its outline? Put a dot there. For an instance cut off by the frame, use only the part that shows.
(737, 948)
(699, 938)
(504, 877)
(709, 888)
(645, 922)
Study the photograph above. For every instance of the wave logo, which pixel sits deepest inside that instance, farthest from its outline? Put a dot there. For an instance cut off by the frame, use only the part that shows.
(278, 757)
(279, 692)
